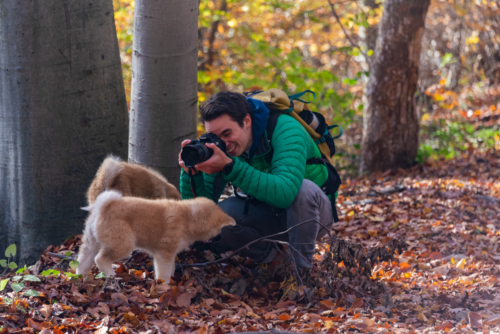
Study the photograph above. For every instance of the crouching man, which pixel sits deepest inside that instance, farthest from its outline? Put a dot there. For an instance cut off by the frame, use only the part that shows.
(281, 190)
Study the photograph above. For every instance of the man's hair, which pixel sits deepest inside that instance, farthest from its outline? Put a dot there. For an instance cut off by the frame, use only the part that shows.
(226, 103)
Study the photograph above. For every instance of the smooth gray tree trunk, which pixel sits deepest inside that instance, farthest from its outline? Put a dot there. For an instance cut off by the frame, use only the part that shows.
(62, 110)
(164, 83)
(391, 128)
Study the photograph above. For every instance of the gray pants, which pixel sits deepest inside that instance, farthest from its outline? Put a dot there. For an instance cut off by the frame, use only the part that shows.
(311, 205)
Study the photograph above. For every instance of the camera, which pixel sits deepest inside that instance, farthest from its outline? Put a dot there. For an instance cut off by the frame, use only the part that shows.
(196, 151)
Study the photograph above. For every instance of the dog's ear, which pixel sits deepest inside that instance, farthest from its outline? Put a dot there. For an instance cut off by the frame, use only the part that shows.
(86, 208)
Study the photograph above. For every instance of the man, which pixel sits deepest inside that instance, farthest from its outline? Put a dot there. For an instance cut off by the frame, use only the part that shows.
(283, 192)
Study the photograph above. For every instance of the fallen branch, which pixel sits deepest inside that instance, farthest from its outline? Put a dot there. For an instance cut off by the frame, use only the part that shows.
(388, 191)
(8, 323)
(487, 198)
(249, 244)
(61, 256)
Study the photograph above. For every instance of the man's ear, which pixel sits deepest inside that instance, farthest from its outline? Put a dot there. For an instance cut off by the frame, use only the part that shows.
(247, 121)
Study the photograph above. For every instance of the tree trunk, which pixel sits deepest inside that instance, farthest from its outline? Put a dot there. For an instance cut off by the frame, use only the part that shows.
(390, 129)
(62, 110)
(164, 83)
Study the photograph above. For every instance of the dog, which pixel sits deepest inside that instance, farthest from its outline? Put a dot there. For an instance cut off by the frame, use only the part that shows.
(130, 180)
(117, 225)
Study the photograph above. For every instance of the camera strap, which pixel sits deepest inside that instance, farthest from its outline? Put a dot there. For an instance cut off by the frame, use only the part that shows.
(193, 183)
(217, 186)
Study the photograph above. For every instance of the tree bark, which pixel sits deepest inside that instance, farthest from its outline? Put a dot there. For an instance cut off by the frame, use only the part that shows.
(164, 83)
(62, 110)
(391, 128)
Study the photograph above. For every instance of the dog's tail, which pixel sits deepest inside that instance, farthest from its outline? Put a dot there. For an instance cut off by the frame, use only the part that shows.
(103, 198)
(90, 247)
(107, 173)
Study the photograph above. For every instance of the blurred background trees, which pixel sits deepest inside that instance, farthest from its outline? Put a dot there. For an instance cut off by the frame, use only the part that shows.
(297, 45)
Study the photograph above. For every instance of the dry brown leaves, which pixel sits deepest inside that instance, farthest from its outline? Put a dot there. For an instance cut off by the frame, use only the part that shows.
(446, 280)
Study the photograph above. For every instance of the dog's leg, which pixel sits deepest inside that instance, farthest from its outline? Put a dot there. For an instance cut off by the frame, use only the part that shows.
(105, 263)
(164, 266)
(88, 251)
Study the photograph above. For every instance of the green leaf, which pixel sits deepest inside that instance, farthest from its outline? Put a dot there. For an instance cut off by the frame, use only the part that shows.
(72, 276)
(74, 264)
(31, 293)
(19, 271)
(31, 278)
(369, 53)
(68, 253)
(100, 275)
(50, 272)
(3, 283)
(3, 263)
(12, 265)
(11, 250)
(16, 278)
(17, 286)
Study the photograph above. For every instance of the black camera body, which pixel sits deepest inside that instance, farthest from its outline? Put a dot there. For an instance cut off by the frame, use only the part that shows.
(197, 152)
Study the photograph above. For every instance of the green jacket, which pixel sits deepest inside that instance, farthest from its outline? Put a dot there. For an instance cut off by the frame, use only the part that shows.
(276, 183)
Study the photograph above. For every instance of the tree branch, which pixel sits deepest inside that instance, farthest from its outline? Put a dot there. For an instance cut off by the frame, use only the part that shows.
(367, 58)
(251, 243)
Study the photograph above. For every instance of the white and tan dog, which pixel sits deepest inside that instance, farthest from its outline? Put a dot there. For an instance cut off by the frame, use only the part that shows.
(117, 225)
(130, 180)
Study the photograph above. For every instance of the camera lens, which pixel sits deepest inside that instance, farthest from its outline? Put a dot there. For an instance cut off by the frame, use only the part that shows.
(194, 154)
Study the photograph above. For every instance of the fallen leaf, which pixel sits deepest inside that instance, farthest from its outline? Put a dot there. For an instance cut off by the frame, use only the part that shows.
(184, 299)
(131, 318)
(474, 320)
(203, 329)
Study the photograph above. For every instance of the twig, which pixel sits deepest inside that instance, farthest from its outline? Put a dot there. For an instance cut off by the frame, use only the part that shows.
(487, 198)
(134, 253)
(64, 257)
(206, 287)
(245, 246)
(335, 278)
(8, 323)
(388, 191)
(367, 59)
(319, 269)
(296, 271)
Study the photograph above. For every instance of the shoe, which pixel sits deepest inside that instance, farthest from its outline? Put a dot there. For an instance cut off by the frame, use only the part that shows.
(265, 272)
(290, 286)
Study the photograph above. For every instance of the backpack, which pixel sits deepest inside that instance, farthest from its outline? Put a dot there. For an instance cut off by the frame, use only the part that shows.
(279, 103)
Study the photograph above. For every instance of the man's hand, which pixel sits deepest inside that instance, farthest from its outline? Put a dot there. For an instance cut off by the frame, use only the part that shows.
(181, 163)
(216, 163)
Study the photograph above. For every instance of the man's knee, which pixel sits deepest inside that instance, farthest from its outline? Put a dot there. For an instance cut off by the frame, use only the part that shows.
(232, 206)
(310, 192)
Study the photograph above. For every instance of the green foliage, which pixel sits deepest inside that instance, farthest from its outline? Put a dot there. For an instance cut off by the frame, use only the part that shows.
(17, 286)
(50, 272)
(447, 139)
(73, 264)
(3, 283)
(100, 275)
(11, 251)
(31, 293)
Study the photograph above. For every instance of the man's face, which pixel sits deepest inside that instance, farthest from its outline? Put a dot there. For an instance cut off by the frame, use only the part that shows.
(238, 139)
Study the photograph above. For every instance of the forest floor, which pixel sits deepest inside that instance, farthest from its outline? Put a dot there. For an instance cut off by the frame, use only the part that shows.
(446, 281)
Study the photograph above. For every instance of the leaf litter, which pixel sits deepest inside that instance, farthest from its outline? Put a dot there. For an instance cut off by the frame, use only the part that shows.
(415, 250)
